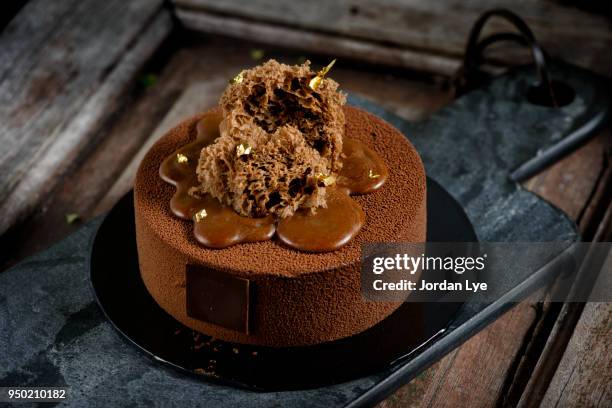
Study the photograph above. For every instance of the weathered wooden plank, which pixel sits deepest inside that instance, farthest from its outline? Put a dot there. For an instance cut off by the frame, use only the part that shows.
(583, 376)
(535, 376)
(63, 66)
(557, 354)
(432, 32)
(320, 43)
(595, 211)
(81, 187)
(474, 374)
(569, 183)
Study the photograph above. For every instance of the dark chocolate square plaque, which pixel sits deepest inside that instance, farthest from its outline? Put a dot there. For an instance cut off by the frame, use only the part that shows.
(218, 298)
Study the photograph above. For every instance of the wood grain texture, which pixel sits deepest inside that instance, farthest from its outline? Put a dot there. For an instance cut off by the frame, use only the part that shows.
(583, 376)
(569, 184)
(320, 43)
(474, 374)
(418, 34)
(557, 353)
(63, 65)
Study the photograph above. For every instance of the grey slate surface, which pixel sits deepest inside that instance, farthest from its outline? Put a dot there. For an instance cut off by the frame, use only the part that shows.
(53, 334)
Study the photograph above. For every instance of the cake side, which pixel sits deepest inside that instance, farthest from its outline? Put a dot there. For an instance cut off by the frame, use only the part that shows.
(298, 298)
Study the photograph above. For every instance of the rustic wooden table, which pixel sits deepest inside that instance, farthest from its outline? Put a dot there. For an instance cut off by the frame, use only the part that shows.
(539, 352)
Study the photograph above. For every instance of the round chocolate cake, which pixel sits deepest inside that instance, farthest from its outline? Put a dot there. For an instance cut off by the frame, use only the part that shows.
(289, 276)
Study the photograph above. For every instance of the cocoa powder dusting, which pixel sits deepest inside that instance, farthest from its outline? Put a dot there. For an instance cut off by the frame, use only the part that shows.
(279, 138)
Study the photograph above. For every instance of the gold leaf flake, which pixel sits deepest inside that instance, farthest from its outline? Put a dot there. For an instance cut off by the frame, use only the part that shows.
(200, 215)
(315, 82)
(326, 69)
(237, 79)
(373, 175)
(72, 218)
(326, 180)
(243, 149)
(181, 158)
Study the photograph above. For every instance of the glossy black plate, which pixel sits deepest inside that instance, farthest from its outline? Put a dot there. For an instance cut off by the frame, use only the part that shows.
(121, 294)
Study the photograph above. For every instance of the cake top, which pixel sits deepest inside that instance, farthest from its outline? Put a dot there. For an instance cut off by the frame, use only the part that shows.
(280, 141)
(393, 213)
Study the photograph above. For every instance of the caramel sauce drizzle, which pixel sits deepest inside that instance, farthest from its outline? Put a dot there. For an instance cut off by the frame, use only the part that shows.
(216, 225)
(363, 171)
(328, 229)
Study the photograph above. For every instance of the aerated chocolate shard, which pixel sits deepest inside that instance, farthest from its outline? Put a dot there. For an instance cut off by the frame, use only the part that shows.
(277, 134)
(218, 298)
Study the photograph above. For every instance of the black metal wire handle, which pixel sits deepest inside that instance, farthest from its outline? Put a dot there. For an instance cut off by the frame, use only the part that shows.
(468, 75)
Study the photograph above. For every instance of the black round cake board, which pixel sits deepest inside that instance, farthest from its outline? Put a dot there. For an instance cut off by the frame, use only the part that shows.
(122, 296)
